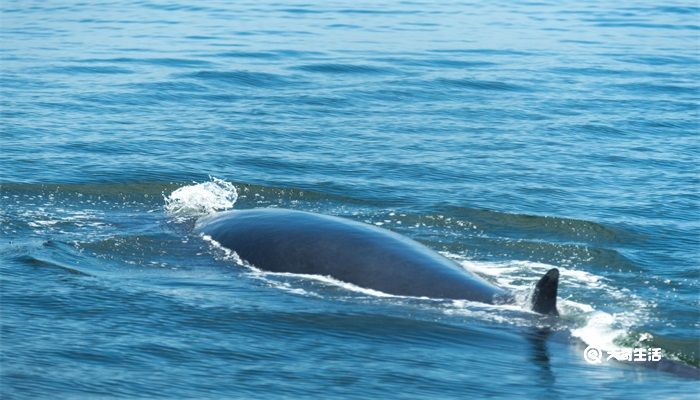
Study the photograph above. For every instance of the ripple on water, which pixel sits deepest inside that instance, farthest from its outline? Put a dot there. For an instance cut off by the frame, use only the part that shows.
(349, 69)
(89, 70)
(242, 78)
(481, 85)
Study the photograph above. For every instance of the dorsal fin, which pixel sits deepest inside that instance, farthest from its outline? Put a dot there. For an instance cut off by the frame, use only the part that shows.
(544, 297)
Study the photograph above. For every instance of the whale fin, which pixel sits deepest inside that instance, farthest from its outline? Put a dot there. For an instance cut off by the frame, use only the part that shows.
(544, 297)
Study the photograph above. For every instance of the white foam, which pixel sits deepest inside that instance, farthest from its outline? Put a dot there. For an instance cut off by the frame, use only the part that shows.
(227, 254)
(201, 199)
(582, 307)
(594, 327)
(601, 330)
(39, 223)
(329, 281)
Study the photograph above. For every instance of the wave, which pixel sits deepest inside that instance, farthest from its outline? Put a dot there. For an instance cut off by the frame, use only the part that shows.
(88, 70)
(349, 69)
(528, 230)
(41, 262)
(242, 78)
(481, 85)
(548, 239)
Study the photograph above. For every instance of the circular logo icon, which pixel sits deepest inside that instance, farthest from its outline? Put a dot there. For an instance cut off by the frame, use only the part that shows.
(593, 355)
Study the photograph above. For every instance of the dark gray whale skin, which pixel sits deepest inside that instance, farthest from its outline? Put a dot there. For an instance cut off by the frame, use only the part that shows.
(281, 240)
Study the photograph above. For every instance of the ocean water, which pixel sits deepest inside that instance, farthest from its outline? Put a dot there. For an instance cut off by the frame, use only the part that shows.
(511, 136)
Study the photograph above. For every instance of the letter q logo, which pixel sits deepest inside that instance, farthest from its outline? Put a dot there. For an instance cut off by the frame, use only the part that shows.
(593, 355)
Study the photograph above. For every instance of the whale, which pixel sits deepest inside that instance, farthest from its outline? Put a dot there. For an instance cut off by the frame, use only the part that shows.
(368, 256)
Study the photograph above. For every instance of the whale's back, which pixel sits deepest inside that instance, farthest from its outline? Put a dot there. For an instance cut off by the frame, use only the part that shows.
(299, 242)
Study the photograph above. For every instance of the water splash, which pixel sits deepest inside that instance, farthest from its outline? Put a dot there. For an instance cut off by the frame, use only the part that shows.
(201, 199)
(603, 329)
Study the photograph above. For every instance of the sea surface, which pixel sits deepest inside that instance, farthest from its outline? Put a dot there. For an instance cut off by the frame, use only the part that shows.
(510, 136)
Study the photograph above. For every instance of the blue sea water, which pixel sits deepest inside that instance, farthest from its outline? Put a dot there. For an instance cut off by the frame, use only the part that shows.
(511, 136)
